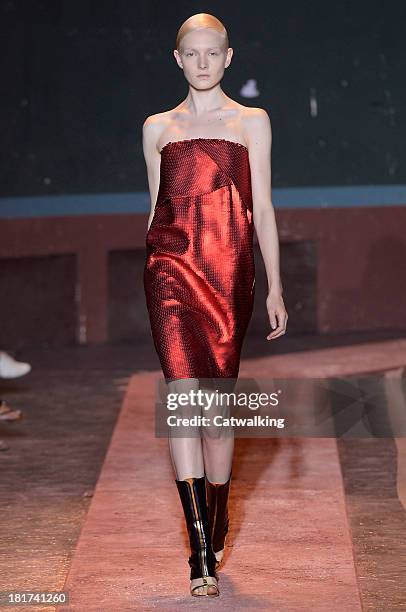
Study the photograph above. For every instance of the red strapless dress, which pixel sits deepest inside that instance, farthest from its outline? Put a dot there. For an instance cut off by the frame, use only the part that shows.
(199, 276)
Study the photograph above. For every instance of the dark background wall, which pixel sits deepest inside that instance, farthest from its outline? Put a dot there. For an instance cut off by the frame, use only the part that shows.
(79, 78)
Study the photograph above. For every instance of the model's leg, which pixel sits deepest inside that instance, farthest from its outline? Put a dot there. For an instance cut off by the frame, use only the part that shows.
(218, 449)
(186, 450)
(217, 437)
(187, 457)
(218, 493)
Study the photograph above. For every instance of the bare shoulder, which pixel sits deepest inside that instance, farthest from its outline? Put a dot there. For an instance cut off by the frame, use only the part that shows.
(256, 118)
(155, 125)
(256, 124)
(152, 127)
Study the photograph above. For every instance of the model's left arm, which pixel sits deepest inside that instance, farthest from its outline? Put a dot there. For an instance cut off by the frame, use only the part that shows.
(259, 137)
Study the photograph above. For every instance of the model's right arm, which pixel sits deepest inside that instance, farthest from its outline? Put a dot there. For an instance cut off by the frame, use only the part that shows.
(150, 134)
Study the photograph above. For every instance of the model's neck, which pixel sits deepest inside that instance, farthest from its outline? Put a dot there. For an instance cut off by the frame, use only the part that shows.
(200, 102)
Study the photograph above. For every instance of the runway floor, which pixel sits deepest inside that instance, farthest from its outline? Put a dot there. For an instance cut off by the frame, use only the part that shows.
(90, 506)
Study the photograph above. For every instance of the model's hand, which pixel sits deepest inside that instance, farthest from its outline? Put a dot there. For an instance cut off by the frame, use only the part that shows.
(278, 317)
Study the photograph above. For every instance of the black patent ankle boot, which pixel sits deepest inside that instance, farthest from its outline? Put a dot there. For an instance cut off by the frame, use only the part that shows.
(217, 502)
(202, 561)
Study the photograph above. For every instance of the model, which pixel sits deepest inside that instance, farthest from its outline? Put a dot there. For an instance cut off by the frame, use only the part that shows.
(209, 174)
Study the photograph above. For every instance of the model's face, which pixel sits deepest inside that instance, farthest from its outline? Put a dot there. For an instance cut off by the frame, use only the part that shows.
(203, 57)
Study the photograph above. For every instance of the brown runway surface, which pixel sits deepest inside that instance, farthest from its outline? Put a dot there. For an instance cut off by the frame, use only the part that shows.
(315, 524)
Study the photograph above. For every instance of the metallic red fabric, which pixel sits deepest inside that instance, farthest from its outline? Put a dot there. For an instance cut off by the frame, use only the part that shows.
(199, 276)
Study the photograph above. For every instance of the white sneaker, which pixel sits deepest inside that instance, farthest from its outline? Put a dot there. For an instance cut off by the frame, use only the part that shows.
(10, 368)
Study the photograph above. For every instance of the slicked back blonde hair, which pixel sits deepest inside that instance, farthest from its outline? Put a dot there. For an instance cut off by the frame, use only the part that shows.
(198, 21)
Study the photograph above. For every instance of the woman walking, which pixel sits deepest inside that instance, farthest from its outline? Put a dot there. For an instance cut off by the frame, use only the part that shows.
(209, 174)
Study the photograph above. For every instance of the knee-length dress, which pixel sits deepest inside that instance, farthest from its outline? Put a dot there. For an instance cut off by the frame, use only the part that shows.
(199, 275)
